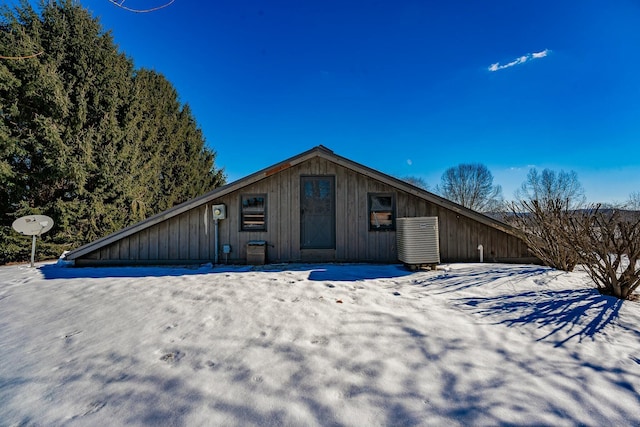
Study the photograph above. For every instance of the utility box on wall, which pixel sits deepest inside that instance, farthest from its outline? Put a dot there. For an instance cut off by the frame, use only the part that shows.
(256, 252)
(219, 211)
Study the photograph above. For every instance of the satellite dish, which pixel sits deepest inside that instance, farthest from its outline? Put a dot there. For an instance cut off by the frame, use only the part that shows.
(33, 225)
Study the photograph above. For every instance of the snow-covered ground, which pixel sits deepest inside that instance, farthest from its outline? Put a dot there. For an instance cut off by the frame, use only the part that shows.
(469, 344)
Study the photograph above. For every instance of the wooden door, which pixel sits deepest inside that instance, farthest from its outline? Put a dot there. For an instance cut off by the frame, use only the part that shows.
(317, 212)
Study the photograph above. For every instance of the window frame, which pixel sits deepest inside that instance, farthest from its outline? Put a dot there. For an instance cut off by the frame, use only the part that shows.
(370, 211)
(243, 226)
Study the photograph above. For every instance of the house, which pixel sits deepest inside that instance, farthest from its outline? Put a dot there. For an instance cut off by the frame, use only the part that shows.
(314, 207)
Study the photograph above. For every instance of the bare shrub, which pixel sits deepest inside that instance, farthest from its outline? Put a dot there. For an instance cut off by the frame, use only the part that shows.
(543, 227)
(546, 202)
(608, 242)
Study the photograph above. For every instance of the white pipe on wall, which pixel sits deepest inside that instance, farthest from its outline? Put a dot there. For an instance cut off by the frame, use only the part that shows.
(481, 250)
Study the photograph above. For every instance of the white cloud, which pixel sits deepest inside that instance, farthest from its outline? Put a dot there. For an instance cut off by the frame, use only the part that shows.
(520, 60)
(521, 168)
(540, 54)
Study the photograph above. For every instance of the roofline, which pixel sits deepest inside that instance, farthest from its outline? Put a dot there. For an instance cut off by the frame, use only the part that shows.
(318, 151)
(424, 194)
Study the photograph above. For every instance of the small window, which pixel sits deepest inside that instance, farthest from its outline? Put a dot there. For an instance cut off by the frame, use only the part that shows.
(253, 212)
(382, 212)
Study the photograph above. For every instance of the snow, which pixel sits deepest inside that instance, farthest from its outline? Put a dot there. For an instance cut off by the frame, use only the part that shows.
(481, 344)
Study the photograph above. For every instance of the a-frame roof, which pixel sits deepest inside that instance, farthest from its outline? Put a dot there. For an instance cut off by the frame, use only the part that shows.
(319, 151)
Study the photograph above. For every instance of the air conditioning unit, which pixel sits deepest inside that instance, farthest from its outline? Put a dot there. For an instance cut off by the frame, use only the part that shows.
(417, 241)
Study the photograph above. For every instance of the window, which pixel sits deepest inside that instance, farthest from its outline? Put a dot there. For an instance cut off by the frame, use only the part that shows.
(382, 212)
(253, 211)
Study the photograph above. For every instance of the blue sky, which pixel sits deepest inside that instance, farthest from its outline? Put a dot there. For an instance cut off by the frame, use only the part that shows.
(406, 87)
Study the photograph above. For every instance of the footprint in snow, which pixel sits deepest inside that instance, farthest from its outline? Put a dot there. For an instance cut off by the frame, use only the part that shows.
(320, 340)
(172, 357)
(68, 337)
(92, 408)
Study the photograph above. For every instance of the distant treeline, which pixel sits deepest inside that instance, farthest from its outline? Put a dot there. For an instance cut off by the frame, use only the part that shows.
(86, 138)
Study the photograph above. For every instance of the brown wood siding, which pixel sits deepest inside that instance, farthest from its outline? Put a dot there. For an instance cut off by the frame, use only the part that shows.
(186, 238)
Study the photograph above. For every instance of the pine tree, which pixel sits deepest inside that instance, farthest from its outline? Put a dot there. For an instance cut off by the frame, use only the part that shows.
(84, 137)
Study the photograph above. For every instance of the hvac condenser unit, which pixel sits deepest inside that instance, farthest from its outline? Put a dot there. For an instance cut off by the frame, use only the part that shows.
(417, 241)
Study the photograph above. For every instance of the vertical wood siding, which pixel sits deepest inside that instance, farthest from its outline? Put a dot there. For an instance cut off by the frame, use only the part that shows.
(189, 237)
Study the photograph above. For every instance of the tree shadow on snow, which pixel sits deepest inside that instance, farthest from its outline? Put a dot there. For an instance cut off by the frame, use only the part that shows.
(54, 271)
(318, 272)
(101, 387)
(571, 313)
(355, 272)
(472, 276)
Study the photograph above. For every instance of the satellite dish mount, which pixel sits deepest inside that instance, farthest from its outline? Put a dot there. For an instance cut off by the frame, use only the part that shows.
(33, 225)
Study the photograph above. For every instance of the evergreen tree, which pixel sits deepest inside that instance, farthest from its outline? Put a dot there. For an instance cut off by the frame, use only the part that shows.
(84, 137)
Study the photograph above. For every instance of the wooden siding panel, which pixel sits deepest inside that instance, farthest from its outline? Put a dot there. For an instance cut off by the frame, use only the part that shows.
(275, 217)
(286, 214)
(315, 166)
(361, 230)
(206, 227)
(173, 240)
(234, 227)
(182, 226)
(143, 245)
(445, 248)
(283, 216)
(163, 240)
(498, 245)
(350, 218)
(134, 247)
(124, 248)
(194, 231)
(114, 250)
(503, 247)
(401, 205)
(294, 206)
(342, 220)
(467, 243)
(154, 242)
(446, 229)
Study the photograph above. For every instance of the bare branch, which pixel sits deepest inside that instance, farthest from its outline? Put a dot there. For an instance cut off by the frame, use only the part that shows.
(541, 227)
(471, 185)
(120, 4)
(22, 57)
